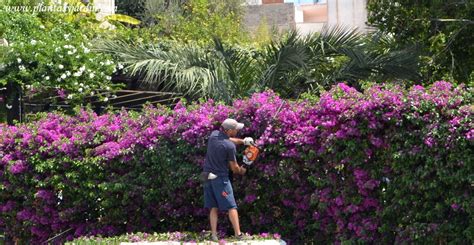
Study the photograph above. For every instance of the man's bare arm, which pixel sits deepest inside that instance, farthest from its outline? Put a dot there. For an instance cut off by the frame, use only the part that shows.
(237, 141)
(236, 169)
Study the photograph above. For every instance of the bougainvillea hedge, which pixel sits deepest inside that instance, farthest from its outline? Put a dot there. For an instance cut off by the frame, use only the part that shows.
(388, 166)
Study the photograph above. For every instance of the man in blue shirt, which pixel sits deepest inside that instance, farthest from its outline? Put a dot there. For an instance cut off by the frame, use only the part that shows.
(220, 156)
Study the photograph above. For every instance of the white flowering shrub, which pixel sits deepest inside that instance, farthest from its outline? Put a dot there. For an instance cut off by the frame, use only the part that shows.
(56, 60)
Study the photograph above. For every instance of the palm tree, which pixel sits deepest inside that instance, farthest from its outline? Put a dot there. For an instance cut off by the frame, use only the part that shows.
(290, 66)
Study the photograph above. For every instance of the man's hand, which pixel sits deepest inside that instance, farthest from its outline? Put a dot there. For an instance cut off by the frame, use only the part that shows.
(236, 169)
(248, 141)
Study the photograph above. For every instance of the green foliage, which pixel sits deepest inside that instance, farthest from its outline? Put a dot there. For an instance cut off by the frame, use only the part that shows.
(263, 34)
(52, 57)
(290, 66)
(203, 20)
(197, 21)
(132, 8)
(444, 31)
(3, 52)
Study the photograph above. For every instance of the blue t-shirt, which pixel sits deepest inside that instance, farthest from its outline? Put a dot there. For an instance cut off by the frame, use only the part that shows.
(220, 151)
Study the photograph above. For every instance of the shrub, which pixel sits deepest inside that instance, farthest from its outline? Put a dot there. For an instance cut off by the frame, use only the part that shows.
(385, 166)
(52, 58)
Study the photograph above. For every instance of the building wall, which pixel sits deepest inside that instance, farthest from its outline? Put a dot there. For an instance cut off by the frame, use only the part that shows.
(352, 13)
(280, 15)
(306, 17)
(272, 1)
(107, 7)
(315, 13)
(308, 28)
(253, 2)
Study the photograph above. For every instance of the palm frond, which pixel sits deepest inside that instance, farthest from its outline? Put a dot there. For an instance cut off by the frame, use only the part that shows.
(243, 70)
(282, 58)
(289, 66)
(181, 69)
(370, 63)
(332, 39)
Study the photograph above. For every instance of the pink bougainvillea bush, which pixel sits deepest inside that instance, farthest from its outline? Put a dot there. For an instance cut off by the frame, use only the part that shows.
(389, 165)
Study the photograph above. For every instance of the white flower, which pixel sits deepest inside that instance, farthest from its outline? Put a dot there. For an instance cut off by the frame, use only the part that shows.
(77, 74)
(78, 56)
(70, 96)
(108, 78)
(19, 60)
(106, 99)
(66, 36)
(28, 86)
(76, 83)
(33, 42)
(42, 26)
(46, 78)
(81, 84)
(92, 93)
(70, 52)
(68, 73)
(22, 68)
(80, 90)
(61, 67)
(86, 50)
(9, 106)
(107, 88)
(101, 63)
(120, 66)
(108, 62)
(92, 75)
(4, 42)
(82, 68)
(63, 76)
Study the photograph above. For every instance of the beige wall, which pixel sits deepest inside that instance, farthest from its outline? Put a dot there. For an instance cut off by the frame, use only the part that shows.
(352, 13)
(106, 7)
(280, 15)
(272, 1)
(307, 28)
(315, 13)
